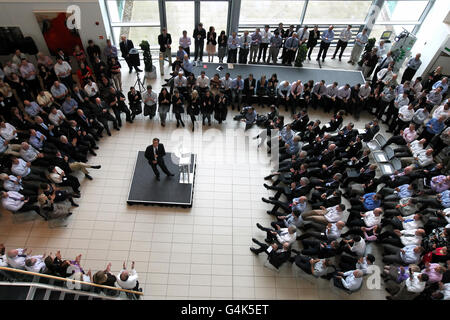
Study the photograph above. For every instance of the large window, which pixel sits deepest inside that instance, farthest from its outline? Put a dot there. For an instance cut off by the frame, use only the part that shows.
(261, 12)
(180, 16)
(378, 29)
(395, 11)
(328, 12)
(138, 20)
(214, 13)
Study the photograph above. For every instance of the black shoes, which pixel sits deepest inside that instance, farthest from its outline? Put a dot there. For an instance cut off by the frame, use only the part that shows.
(265, 200)
(157, 178)
(96, 167)
(254, 251)
(88, 176)
(266, 185)
(260, 227)
(170, 175)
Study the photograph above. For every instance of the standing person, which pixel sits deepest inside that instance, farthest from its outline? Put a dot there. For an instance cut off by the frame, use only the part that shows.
(222, 40)
(314, 36)
(185, 43)
(275, 43)
(244, 44)
(110, 51)
(344, 38)
(155, 156)
(116, 74)
(233, 43)
(164, 101)
(254, 45)
(199, 37)
(370, 60)
(29, 74)
(165, 42)
(150, 99)
(93, 51)
(303, 35)
(384, 63)
(125, 46)
(360, 42)
(64, 72)
(290, 47)
(327, 37)
(211, 43)
(411, 68)
(265, 40)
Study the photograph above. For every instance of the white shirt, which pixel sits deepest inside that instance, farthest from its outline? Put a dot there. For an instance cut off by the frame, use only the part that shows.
(359, 247)
(285, 236)
(333, 232)
(350, 282)
(320, 269)
(3, 262)
(446, 291)
(424, 159)
(8, 132)
(441, 112)
(57, 119)
(265, 36)
(38, 265)
(405, 114)
(386, 72)
(364, 92)
(381, 51)
(415, 147)
(17, 262)
(409, 237)
(20, 169)
(131, 281)
(363, 266)
(10, 185)
(410, 225)
(29, 155)
(333, 215)
(203, 82)
(415, 285)
(345, 35)
(401, 101)
(13, 202)
(56, 176)
(331, 91)
(91, 90)
(151, 95)
(370, 219)
(62, 70)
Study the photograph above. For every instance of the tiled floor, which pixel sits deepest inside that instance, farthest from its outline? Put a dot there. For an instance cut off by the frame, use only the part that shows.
(198, 253)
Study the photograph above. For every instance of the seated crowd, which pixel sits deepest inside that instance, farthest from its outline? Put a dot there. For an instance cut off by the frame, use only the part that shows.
(406, 213)
(57, 266)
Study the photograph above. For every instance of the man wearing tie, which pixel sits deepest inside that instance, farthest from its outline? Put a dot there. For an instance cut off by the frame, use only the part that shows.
(155, 156)
(125, 47)
(327, 37)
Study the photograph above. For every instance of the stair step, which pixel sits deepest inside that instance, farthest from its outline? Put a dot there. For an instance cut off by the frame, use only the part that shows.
(39, 294)
(54, 295)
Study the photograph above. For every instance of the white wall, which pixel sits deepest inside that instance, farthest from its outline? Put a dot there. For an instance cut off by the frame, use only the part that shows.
(20, 13)
(432, 35)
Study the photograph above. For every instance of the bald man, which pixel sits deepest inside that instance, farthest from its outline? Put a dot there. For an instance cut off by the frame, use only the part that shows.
(128, 279)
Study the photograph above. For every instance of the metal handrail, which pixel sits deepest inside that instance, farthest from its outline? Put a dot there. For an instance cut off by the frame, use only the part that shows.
(69, 280)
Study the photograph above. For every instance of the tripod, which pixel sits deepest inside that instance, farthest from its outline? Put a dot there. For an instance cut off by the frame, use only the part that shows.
(140, 84)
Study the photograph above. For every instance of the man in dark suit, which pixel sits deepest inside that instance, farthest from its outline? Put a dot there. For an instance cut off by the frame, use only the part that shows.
(199, 37)
(165, 42)
(155, 156)
(277, 256)
(125, 47)
(365, 174)
(249, 88)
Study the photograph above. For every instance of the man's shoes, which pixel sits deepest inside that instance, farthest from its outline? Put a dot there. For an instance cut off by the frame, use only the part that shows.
(265, 200)
(269, 212)
(260, 227)
(268, 177)
(92, 152)
(267, 240)
(138, 70)
(96, 167)
(254, 251)
(88, 176)
(349, 61)
(157, 178)
(130, 71)
(117, 128)
(333, 57)
(95, 147)
(109, 133)
(323, 60)
(317, 59)
(165, 85)
(170, 175)
(309, 58)
(340, 59)
(75, 205)
(266, 186)
(272, 198)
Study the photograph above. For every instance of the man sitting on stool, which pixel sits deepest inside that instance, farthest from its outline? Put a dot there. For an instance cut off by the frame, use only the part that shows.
(154, 155)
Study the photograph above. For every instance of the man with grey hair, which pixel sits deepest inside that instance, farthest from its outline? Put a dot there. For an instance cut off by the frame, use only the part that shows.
(16, 258)
(277, 254)
(281, 235)
(290, 46)
(349, 281)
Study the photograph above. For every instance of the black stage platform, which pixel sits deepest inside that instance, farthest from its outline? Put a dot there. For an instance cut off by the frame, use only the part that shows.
(145, 189)
(283, 73)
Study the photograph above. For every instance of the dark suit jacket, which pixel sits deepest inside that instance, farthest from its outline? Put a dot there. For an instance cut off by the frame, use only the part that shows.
(278, 258)
(126, 47)
(248, 84)
(150, 156)
(162, 42)
(312, 41)
(202, 34)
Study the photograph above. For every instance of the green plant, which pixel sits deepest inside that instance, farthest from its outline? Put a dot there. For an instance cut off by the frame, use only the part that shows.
(145, 47)
(301, 55)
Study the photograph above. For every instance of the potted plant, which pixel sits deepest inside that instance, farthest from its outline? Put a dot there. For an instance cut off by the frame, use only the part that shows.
(150, 70)
(301, 55)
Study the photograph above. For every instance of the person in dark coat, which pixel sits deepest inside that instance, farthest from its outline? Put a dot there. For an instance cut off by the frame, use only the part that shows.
(221, 107)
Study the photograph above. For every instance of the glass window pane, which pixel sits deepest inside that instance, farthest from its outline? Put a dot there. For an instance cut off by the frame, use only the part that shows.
(133, 11)
(329, 12)
(402, 11)
(378, 29)
(270, 12)
(137, 34)
(214, 13)
(180, 16)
